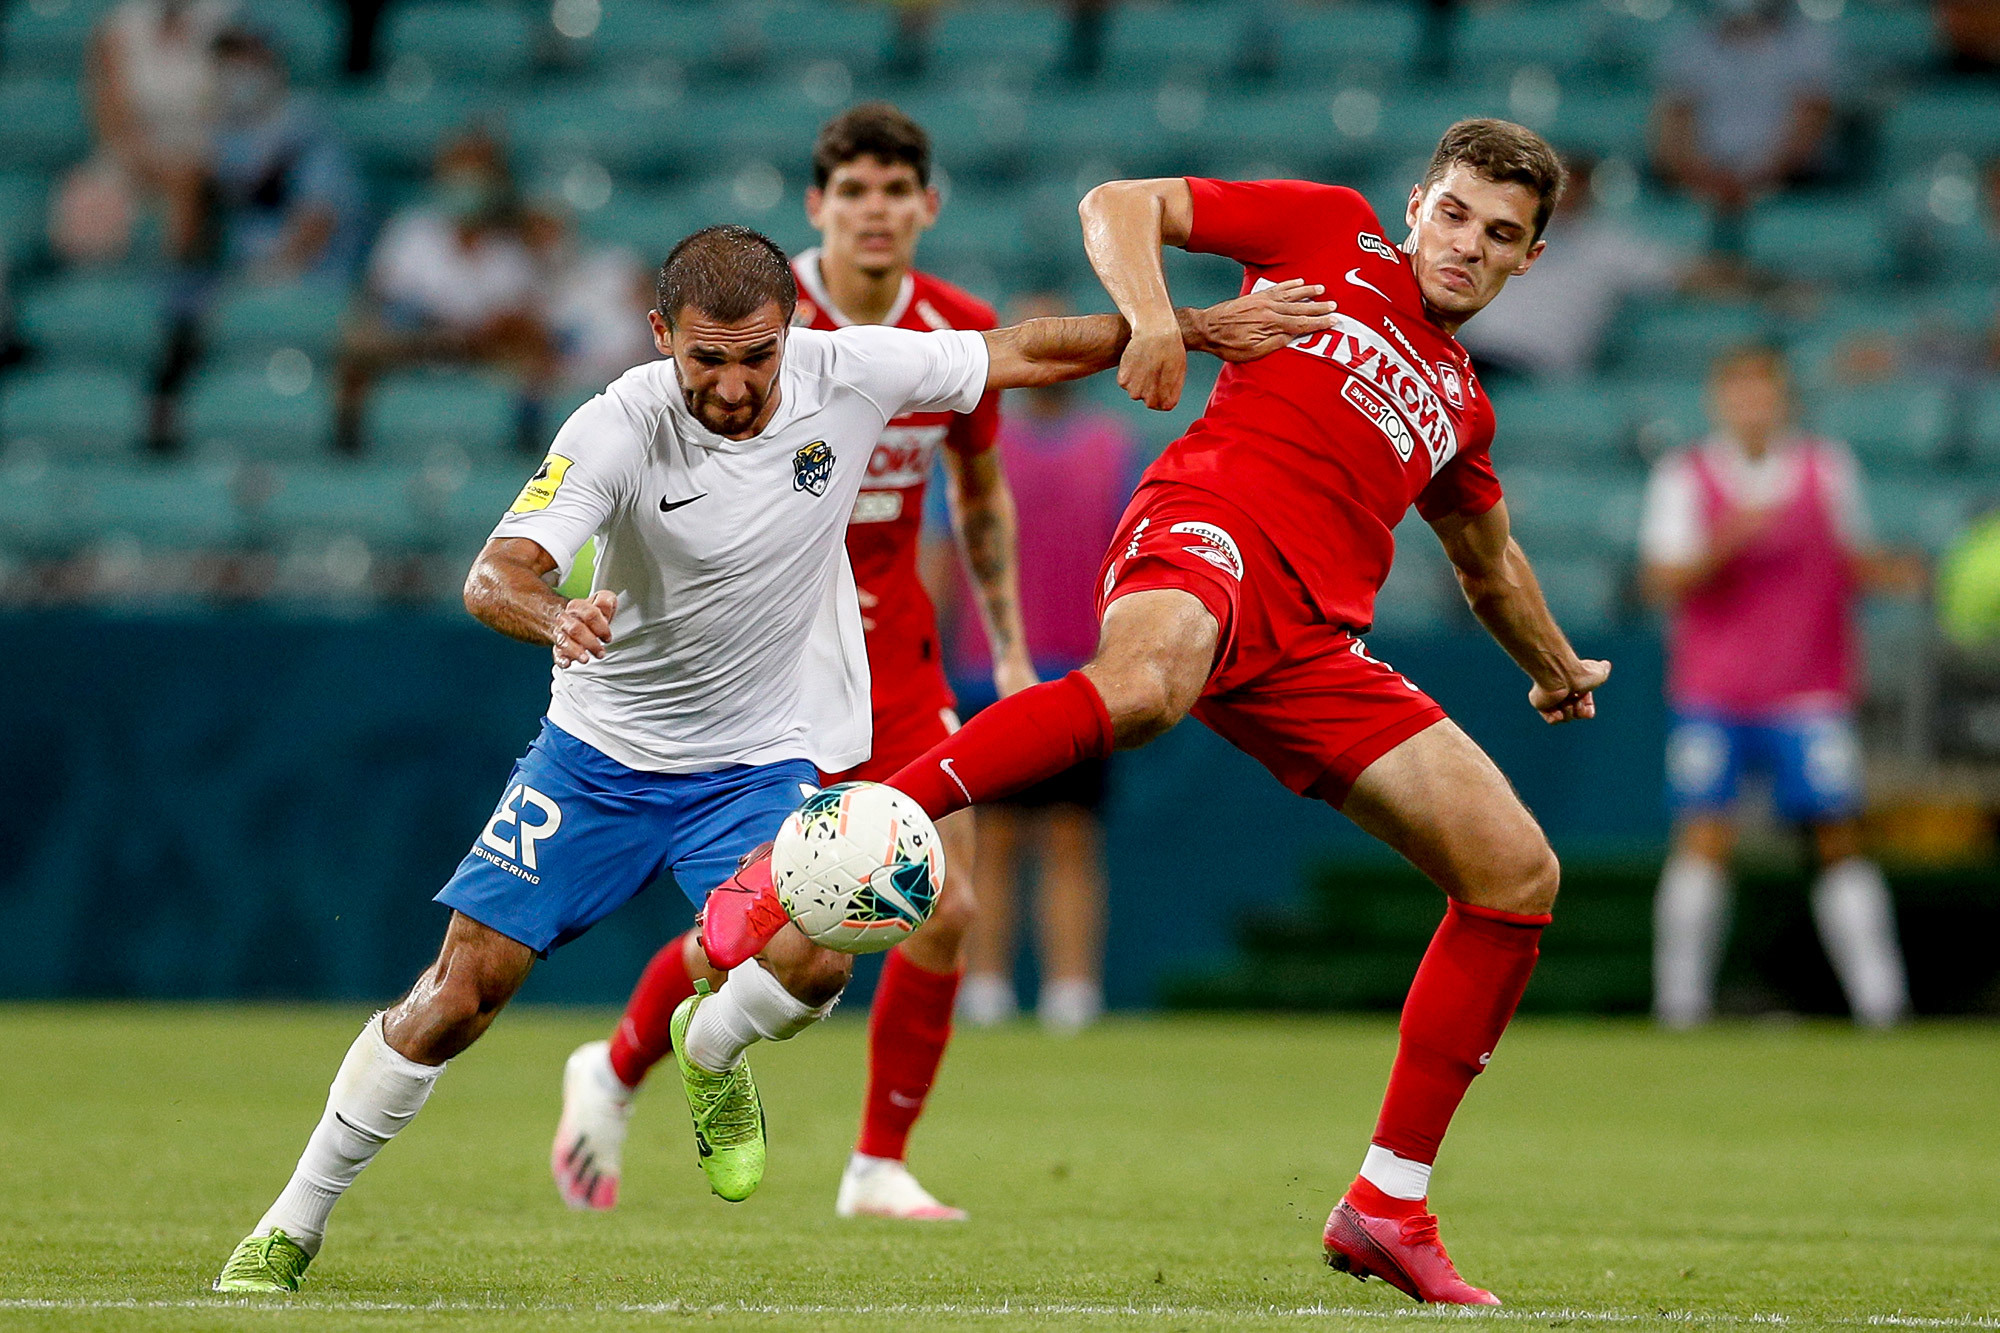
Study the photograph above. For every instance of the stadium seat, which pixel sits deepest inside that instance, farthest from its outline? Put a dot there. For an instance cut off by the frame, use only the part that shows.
(1558, 424)
(1607, 124)
(238, 411)
(637, 33)
(23, 216)
(175, 505)
(646, 222)
(1420, 596)
(1024, 38)
(463, 40)
(372, 502)
(74, 412)
(46, 40)
(1925, 515)
(1923, 124)
(1902, 425)
(110, 318)
(1507, 37)
(1149, 43)
(1413, 119)
(307, 33)
(1590, 509)
(45, 123)
(792, 35)
(465, 514)
(1318, 44)
(1821, 240)
(1878, 40)
(262, 318)
(1584, 592)
(627, 127)
(1983, 427)
(1664, 413)
(1682, 338)
(410, 416)
(402, 137)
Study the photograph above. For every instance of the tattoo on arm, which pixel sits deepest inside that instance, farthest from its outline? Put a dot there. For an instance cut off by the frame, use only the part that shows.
(983, 512)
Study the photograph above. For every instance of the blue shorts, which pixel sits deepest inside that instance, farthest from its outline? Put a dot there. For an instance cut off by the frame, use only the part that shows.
(577, 835)
(1812, 759)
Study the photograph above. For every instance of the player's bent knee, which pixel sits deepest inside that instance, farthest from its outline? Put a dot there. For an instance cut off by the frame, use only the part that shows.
(1530, 883)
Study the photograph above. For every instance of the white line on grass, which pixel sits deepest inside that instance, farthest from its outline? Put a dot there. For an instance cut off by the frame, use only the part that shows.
(1005, 1309)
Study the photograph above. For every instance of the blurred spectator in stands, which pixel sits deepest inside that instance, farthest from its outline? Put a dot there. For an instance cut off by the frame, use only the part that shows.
(286, 197)
(451, 282)
(593, 299)
(1554, 326)
(151, 68)
(1072, 470)
(1745, 106)
(1971, 31)
(1756, 541)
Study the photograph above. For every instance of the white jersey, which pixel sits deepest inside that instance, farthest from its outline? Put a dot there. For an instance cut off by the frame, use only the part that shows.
(738, 637)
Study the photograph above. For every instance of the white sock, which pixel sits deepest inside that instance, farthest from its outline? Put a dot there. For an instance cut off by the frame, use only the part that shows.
(1397, 1177)
(374, 1095)
(1857, 925)
(598, 1062)
(1070, 1006)
(1690, 915)
(752, 1006)
(986, 998)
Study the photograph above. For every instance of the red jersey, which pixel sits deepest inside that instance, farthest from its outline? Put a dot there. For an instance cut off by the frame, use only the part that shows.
(884, 532)
(1326, 443)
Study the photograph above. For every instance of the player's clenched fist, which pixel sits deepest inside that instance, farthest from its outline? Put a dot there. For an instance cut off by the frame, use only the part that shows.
(1154, 366)
(1573, 700)
(583, 630)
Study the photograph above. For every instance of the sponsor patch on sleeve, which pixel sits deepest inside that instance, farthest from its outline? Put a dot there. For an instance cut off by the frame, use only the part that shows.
(1215, 546)
(541, 487)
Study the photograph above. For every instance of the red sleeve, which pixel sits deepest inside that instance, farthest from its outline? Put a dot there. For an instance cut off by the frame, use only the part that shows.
(1468, 485)
(974, 432)
(1266, 222)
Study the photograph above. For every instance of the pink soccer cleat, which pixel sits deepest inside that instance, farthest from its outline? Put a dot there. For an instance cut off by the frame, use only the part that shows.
(1404, 1251)
(742, 913)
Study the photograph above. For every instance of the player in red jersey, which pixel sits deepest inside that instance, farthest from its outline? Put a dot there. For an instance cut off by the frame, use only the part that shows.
(1248, 564)
(871, 202)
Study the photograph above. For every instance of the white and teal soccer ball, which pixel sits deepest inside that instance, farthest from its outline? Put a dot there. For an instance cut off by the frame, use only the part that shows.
(858, 867)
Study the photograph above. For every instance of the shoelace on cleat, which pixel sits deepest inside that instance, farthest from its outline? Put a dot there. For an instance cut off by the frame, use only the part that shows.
(264, 1254)
(730, 1117)
(1421, 1229)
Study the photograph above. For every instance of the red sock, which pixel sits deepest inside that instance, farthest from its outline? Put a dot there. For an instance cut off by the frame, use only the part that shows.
(1470, 980)
(643, 1039)
(1013, 745)
(907, 1032)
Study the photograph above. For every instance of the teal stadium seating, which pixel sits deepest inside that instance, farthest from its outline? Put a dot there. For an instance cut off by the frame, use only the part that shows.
(44, 40)
(23, 216)
(464, 40)
(74, 412)
(376, 503)
(1147, 43)
(1823, 240)
(108, 318)
(1322, 44)
(1924, 124)
(261, 318)
(640, 33)
(243, 410)
(411, 417)
(1559, 424)
(1914, 514)
(1018, 38)
(1901, 426)
(162, 505)
(45, 123)
(1505, 37)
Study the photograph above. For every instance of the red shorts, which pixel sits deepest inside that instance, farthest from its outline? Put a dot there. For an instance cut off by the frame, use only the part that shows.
(1300, 696)
(913, 712)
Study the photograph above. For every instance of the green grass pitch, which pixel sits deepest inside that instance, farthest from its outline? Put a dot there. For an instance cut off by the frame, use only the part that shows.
(1165, 1174)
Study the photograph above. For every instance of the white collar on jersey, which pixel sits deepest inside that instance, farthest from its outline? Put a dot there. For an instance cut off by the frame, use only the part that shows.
(805, 265)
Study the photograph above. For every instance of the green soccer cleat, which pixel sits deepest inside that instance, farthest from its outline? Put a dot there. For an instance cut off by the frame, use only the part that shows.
(728, 1118)
(264, 1263)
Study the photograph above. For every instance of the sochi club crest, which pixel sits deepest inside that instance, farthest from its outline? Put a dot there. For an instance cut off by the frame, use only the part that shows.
(812, 467)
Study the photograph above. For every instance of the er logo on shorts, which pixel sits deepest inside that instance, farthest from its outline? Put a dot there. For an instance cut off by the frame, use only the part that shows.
(520, 798)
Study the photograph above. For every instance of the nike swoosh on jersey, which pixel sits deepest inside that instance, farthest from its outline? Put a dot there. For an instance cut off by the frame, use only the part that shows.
(668, 507)
(1354, 276)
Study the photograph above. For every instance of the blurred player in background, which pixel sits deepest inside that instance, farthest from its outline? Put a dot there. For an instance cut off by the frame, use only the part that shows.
(1248, 564)
(1072, 466)
(1757, 542)
(715, 670)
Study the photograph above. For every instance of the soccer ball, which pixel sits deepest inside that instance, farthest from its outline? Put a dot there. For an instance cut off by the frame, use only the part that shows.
(858, 867)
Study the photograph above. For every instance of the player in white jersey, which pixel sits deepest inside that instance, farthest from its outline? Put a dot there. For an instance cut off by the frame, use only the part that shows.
(716, 666)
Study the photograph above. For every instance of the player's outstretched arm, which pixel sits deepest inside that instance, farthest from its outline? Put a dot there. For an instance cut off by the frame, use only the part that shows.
(1048, 351)
(508, 590)
(1501, 588)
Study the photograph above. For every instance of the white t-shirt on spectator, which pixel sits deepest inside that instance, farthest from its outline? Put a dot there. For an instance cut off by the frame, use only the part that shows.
(1673, 531)
(420, 267)
(1744, 88)
(738, 634)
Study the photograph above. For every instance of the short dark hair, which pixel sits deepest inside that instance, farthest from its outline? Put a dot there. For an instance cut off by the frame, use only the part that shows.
(1507, 154)
(728, 273)
(872, 129)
